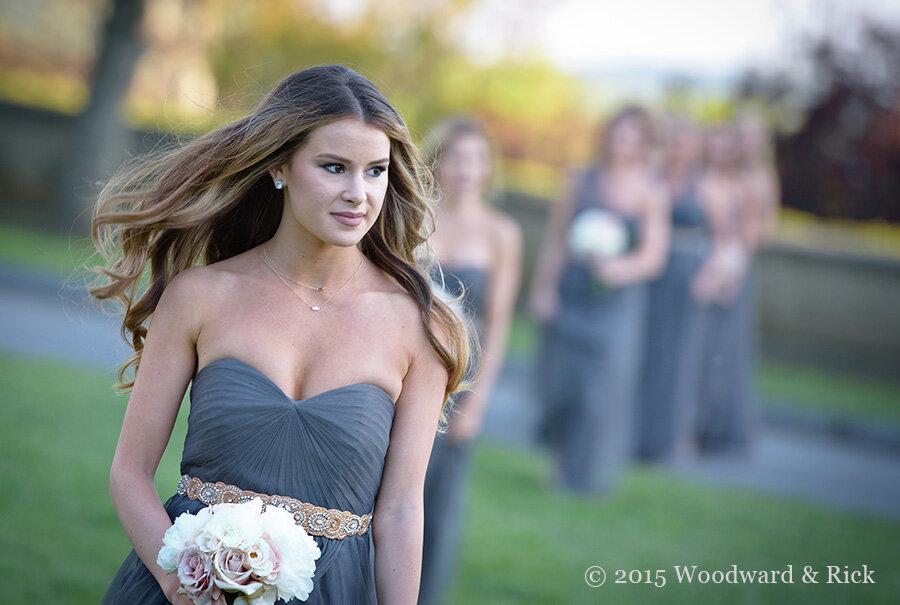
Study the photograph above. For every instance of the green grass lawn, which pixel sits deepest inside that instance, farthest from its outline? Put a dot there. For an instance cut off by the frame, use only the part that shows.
(44, 251)
(524, 543)
(810, 388)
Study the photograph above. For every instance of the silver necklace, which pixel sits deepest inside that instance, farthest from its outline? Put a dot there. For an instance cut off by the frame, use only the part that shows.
(297, 294)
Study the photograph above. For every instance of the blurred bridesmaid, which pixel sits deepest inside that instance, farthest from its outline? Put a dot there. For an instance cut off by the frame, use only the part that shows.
(480, 253)
(727, 415)
(608, 236)
(763, 191)
(667, 406)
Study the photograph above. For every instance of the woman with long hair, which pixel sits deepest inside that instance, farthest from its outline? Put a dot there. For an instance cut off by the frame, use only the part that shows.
(667, 406)
(607, 238)
(480, 253)
(279, 258)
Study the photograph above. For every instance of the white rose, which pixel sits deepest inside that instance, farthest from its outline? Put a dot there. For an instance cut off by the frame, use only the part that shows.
(266, 598)
(298, 550)
(236, 525)
(183, 531)
(264, 561)
(207, 542)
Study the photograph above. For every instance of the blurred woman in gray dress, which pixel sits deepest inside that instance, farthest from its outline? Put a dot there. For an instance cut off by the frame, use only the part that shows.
(667, 406)
(607, 237)
(763, 190)
(746, 217)
(480, 254)
(727, 413)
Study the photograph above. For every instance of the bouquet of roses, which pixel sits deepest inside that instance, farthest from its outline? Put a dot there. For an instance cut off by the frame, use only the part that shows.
(596, 232)
(258, 552)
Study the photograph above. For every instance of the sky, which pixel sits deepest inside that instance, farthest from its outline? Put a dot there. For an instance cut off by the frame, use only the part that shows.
(703, 36)
(712, 40)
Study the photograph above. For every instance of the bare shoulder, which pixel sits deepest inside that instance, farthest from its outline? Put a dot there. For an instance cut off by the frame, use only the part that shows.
(191, 285)
(656, 194)
(195, 293)
(706, 184)
(404, 318)
(503, 228)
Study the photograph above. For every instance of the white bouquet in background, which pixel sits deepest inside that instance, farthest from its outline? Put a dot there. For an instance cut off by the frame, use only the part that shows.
(731, 260)
(261, 554)
(596, 232)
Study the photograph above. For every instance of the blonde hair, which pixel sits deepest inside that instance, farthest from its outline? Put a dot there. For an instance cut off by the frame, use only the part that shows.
(212, 198)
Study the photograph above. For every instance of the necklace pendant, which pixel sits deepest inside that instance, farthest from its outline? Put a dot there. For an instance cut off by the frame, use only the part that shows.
(319, 289)
(315, 308)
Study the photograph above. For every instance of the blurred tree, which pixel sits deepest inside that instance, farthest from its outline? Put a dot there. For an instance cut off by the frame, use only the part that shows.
(190, 65)
(100, 137)
(841, 158)
(411, 49)
(46, 51)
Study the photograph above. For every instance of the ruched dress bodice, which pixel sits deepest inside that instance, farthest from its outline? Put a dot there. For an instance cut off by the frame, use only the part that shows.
(327, 449)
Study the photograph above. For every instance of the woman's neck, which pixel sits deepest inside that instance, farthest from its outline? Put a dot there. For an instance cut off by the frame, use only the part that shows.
(318, 263)
(724, 171)
(624, 165)
(679, 173)
(460, 204)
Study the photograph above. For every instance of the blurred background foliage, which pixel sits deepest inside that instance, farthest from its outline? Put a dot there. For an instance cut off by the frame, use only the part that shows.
(203, 62)
(183, 67)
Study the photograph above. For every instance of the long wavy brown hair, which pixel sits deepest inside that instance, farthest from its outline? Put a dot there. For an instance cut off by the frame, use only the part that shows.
(212, 198)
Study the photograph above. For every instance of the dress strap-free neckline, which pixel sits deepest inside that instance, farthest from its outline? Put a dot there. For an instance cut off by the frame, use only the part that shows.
(268, 379)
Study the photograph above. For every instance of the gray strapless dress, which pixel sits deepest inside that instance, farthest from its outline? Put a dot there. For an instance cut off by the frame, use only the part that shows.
(728, 417)
(667, 407)
(327, 449)
(588, 367)
(446, 480)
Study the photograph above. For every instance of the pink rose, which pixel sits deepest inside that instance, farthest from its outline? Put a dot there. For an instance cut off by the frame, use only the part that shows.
(233, 572)
(194, 568)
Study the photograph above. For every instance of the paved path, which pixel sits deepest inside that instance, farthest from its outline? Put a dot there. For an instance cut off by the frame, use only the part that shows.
(40, 318)
(810, 465)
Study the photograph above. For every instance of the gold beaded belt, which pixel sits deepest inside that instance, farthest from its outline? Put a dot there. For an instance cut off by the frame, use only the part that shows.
(316, 520)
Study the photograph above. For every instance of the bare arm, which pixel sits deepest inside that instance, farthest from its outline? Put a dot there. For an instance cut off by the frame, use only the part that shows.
(721, 274)
(648, 260)
(167, 365)
(398, 522)
(770, 202)
(705, 281)
(542, 295)
(500, 306)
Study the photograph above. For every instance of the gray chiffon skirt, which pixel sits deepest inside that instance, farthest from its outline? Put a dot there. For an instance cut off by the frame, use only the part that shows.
(588, 373)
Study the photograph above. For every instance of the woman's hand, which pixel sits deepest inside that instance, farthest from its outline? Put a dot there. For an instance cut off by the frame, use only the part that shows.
(704, 286)
(170, 586)
(167, 364)
(543, 305)
(611, 272)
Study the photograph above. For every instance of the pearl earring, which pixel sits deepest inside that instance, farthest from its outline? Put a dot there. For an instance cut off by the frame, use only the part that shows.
(279, 184)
